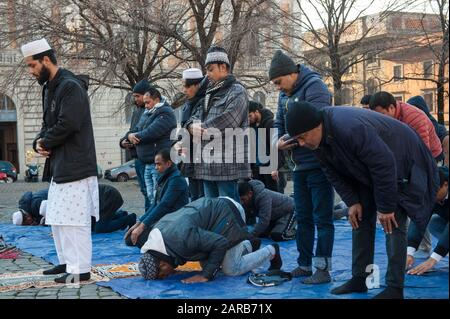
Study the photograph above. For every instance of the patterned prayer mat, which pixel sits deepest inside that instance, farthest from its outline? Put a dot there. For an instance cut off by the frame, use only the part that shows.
(35, 279)
(7, 251)
(132, 269)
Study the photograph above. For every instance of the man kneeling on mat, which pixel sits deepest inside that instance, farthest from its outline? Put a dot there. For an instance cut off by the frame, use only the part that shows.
(275, 211)
(209, 230)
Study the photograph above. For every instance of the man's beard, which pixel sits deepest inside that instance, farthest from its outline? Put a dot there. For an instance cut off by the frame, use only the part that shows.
(44, 75)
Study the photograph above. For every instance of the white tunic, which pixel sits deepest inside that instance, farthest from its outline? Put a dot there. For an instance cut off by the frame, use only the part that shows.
(73, 204)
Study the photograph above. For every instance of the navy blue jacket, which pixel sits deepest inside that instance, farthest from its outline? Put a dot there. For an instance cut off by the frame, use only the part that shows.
(362, 147)
(309, 87)
(171, 194)
(153, 130)
(31, 203)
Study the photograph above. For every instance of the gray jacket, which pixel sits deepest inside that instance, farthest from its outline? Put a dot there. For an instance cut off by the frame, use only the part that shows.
(268, 206)
(203, 230)
(228, 109)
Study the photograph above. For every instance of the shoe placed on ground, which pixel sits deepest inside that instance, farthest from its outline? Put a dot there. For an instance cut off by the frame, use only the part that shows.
(276, 262)
(131, 221)
(73, 279)
(390, 293)
(300, 272)
(356, 284)
(319, 277)
(256, 243)
(60, 269)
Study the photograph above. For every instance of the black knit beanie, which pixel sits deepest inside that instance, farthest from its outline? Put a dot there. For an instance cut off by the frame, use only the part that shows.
(302, 117)
(142, 87)
(281, 65)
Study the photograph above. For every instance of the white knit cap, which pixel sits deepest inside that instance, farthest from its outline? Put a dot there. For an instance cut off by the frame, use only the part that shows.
(43, 208)
(192, 74)
(35, 47)
(17, 218)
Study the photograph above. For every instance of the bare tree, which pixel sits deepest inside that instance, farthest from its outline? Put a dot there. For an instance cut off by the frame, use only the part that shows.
(88, 34)
(341, 39)
(435, 40)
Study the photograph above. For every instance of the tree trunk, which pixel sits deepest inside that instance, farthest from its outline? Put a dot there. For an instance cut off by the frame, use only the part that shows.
(440, 93)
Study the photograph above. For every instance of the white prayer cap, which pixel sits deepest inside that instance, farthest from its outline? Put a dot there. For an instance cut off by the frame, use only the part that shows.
(43, 208)
(17, 218)
(192, 74)
(35, 47)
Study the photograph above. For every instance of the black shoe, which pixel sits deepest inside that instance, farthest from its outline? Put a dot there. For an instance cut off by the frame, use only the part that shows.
(390, 293)
(60, 269)
(276, 262)
(256, 243)
(356, 284)
(73, 279)
(131, 220)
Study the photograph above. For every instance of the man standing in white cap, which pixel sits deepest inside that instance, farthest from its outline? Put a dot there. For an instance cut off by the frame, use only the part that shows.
(224, 110)
(66, 140)
(194, 87)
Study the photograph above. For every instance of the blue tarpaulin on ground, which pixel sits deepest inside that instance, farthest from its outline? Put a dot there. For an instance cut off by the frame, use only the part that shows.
(111, 249)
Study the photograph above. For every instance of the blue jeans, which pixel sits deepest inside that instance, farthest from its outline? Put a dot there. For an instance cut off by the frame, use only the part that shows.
(150, 176)
(240, 259)
(120, 220)
(314, 197)
(222, 188)
(439, 228)
(140, 172)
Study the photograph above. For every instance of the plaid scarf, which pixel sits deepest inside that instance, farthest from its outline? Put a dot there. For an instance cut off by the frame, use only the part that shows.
(212, 89)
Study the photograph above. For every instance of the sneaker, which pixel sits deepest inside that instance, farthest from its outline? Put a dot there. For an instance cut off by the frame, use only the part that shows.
(73, 279)
(276, 262)
(300, 272)
(60, 269)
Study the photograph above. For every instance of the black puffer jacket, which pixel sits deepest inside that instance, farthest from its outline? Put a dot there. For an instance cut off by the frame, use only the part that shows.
(67, 129)
(203, 230)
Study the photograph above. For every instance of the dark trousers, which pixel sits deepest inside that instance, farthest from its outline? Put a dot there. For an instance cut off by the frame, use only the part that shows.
(196, 188)
(363, 242)
(119, 221)
(139, 166)
(314, 196)
(282, 229)
(267, 179)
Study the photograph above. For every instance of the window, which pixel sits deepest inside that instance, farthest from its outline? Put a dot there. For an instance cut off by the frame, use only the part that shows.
(428, 69)
(372, 86)
(260, 97)
(347, 96)
(399, 97)
(6, 104)
(372, 60)
(429, 99)
(398, 73)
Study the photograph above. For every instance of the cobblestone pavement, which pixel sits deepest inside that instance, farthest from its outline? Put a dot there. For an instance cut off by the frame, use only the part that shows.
(9, 197)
